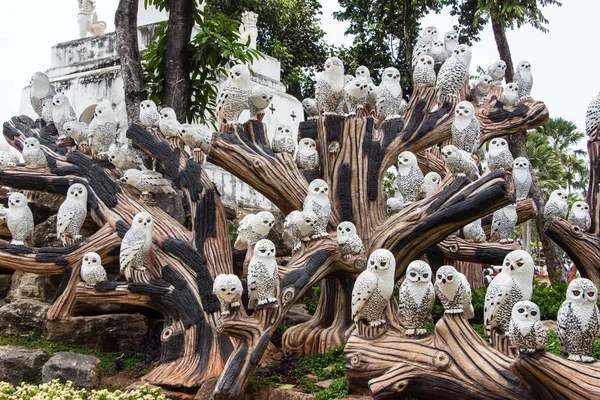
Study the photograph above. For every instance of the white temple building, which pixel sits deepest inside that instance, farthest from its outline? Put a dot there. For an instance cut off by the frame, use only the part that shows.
(88, 71)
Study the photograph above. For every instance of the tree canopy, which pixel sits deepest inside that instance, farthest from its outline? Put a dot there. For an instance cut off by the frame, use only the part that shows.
(290, 31)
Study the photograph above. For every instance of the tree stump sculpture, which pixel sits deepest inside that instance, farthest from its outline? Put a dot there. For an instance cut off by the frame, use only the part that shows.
(197, 341)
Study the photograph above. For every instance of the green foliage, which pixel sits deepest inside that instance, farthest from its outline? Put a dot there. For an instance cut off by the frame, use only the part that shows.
(56, 390)
(388, 183)
(292, 370)
(555, 160)
(35, 340)
(213, 49)
(513, 13)
(289, 30)
(311, 299)
(549, 298)
(553, 345)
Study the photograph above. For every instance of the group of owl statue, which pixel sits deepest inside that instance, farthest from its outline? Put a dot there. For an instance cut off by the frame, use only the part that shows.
(507, 305)
(300, 226)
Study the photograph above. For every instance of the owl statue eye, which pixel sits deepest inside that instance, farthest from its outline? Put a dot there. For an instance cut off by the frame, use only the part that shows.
(450, 277)
(429, 62)
(372, 262)
(590, 294)
(576, 292)
(149, 220)
(316, 189)
(93, 260)
(71, 192)
(413, 274)
(533, 313)
(140, 221)
(340, 229)
(262, 250)
(265, 222)
(223, 289)
(383, 264)
(86, 259)
(439, 276)
(347, 229)
(521, 310)
(425, 275)
(238, 73)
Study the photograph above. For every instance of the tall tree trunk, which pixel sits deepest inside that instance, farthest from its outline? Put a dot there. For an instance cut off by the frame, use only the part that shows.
(552, 252)
(502, 44)
(406, 37)
(177, 66)
(129, 54)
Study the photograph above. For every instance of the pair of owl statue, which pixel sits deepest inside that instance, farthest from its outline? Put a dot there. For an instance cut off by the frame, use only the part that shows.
(557, 206)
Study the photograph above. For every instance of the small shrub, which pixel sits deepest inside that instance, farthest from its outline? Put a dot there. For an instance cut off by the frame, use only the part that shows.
(311, 299)
(549, 298)
(56, 390)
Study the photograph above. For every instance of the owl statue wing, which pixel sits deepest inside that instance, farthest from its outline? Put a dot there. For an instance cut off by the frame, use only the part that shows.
(598, 319)
(401, 297)
(540, 334)
(496, 295)
(63, 220)
(561, 322)
(133, 242)
(363, 289)
(468, 306)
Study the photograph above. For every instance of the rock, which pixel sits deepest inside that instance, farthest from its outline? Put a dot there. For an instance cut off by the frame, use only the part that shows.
(297, 315)
(26, 285)
(549, 324)
(19, 364)
(324, 384)
(24, 315)
(78, 368)
(328, 369)
(207, 389)
(107, 333)
(311, 377)
(289, 394)
(4, 284)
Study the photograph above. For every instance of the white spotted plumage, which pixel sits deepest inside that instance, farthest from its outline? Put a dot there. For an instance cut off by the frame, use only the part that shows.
(431, 181)
(348, 240)
(355, 95)
(47, 110)
(125, 157)
(41, 89)
(62, 112)
(92, 272)
(395, 204)
(252, 228)
(510, 94)
(521, 178)
(424, 71)
(19, 219)
(409, 178)
(438, 52)
(147, 181)
(373, 288)
(33, 154)
(497, 71)
(168, 123)
(7, 157)
(149, 115)
(481, 88)
(474, 232)
(514, 283)
(592, 118)
(329, 90)
(557, 206)
(195, 137)
(450, 41)
(390, 103)
(72, 213)
(228, 289)
(307, 156)
(524, 79)
(504, 221)
(580, 215)
(78, 131)
(466, 131)
(259, 99)
(102, 131)
(262, 275)
(459, 162)
(310, 108)
(416, 298)
(578, 320)
(136, 245)
(499, 155)
(526, 332)
(454, 72)
(233, 95)
(299, 226)
(317, 201)
(454, 291)
(283, 142)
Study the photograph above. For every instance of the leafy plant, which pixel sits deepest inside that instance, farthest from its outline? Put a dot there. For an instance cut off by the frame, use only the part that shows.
(311, 299)
(549, 298)
(211, 51)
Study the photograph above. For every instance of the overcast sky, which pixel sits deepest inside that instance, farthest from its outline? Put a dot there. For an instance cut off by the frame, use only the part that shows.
(561, 59)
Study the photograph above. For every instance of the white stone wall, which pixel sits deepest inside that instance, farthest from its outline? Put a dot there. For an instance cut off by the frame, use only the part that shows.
(88, 72)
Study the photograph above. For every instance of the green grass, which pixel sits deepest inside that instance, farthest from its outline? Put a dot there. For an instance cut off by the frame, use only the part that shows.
(36, 340)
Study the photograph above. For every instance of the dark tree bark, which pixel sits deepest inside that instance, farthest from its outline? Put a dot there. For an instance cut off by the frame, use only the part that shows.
(129, 54)
(177, 67)
(502, 44)
(406, 36)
